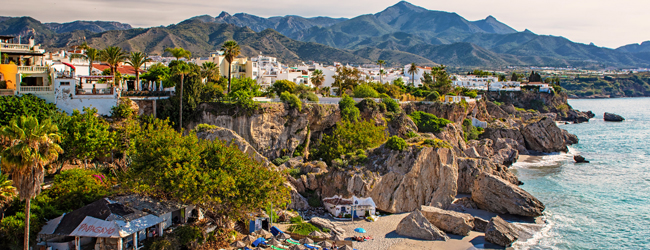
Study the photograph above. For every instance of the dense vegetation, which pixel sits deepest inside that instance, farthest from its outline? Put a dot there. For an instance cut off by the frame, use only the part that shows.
(428, 122)
(27, 105)
(627, 85)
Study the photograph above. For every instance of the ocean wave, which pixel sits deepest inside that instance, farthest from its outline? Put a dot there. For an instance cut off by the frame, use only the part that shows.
(547, 159)
(531, 234)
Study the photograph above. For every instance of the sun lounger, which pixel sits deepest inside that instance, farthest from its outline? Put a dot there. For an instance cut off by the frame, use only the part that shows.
(291, 241)
(310, 246)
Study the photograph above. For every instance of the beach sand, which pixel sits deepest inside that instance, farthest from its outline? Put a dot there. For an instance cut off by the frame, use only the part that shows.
(530, 158)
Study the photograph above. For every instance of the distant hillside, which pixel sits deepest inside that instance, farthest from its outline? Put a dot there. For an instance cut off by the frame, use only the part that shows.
(92, 26)
(201, 38)
(630, 85)
(284, 24)
(635, 48)
(400, 34)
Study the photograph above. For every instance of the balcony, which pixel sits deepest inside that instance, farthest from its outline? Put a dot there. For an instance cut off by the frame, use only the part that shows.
(32, 69)
(35, 89)
(14, 46)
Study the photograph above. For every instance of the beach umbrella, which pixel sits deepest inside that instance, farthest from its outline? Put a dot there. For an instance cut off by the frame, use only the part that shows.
(338, 238)
(274, 242)
(325, 244)
(264, 233)
(297, 247)
(306, 240)
(249, 238)
(238, 244)
(346, 247)
(316, 234)
(360, 230)
(284, 236)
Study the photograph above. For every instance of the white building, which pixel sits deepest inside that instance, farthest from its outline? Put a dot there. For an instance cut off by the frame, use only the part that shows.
(418, 75)
(543, 87)
(482, 83)
(354, 206)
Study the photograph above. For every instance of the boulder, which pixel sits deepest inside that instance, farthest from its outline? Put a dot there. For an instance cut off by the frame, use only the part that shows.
(323, 223)
(415, 225)
(495, 110)
(611, 117)
(480, 225)
(569, 139)
(543, 135)
(464, 203)
(401, 125)
(499, 129)
(449, 221)
(580, 159)
(496, 195)
(505, 151)
(298, 202)
(500, 232)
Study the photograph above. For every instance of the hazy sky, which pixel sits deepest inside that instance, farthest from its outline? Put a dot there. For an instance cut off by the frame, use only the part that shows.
(606, 23)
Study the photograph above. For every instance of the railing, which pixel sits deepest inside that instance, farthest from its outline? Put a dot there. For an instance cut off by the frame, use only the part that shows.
(15, 46)
(32, 69)
(4, 92)
(146, 93)
(102, 91)
(36, 88)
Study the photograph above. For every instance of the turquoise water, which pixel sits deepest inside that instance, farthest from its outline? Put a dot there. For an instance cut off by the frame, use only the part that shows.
(604, 204)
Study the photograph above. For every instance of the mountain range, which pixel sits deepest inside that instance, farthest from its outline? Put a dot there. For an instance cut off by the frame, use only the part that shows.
(400, 34)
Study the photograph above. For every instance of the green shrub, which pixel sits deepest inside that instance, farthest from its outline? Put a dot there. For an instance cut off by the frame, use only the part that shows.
(349, 110)
(292, 100)
(365, 91)
(281, 160)
(303, 228)
(428, 122)
(204, 127)
(433, 96)
(412, 134)
(469, 131)
(188, 234)
(281, 86)
(123, 109)
(383, 95)
(25, 105)
(309, 96)
(436, 143)
(296, 220)
(391, 105)
(294, 172)
(348, 137)
(396, 143)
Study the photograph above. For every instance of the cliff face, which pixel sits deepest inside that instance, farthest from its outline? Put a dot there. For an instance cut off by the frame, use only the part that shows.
(273, 130)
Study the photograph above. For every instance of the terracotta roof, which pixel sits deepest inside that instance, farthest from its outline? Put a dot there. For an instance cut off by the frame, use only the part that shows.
(123, 69)
(426, 68)
(338, 201)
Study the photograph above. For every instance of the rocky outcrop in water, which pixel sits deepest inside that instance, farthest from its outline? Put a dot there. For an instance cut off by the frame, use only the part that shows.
(449, 221)
(611, 117)
(500, 232)
(496, 195)
(415, 225)
(543, 135)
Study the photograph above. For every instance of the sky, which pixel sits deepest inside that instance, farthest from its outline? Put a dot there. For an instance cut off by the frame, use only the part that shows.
(606, 23)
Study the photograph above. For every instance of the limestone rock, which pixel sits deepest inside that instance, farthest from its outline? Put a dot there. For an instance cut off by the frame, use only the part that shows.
(611, 117)
(495, 111)
(401, 125)
(462, 204)
(231, 137)
(496, 195)
(580, 159)
(415, 225)
(497, 130)
(543, 135)
(500, 232)
(449, 221)
(569, 139)
(505, 151)
(471, 152)
(480, 225)
(323, 223)
(398, 181)
(298, 202)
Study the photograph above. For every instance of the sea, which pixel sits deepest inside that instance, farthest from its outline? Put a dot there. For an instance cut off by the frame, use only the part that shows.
(604, 204)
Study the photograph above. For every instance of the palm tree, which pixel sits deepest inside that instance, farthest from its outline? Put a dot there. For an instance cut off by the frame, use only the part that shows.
(137, 60)
(29, 147)
(113, 56)
(182, 69)
(381, 62)
(7, 193)
(92, 55)
(210, 71)
(413, 70)
(179, 53)
(317, 78)
(231, 50)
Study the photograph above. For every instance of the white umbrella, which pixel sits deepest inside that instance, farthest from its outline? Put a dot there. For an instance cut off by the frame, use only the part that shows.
(306, 240)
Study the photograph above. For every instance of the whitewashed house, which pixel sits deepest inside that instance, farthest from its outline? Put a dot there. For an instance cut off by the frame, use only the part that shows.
(354, 206)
